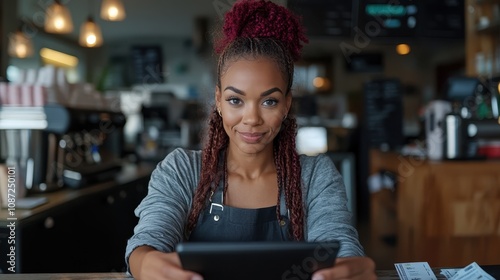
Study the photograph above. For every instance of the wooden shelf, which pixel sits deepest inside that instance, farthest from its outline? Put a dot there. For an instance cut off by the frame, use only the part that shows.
(494, 27)
(481, 39)
(482, 2)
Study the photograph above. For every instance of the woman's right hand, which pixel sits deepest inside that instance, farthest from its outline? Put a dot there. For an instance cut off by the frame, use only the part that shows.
(146, 263)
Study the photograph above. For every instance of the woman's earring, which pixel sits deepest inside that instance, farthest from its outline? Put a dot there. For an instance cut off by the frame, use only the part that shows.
(284, 118)
(220, 114)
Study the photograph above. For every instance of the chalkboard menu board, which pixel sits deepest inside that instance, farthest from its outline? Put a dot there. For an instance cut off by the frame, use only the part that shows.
(382, 18)
(412, 19)
(442, 19)
(147, 64)
(379, 19)
(383, 113)
(325, 18)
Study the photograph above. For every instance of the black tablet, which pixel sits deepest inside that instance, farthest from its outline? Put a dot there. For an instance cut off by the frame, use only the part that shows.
(257, 260)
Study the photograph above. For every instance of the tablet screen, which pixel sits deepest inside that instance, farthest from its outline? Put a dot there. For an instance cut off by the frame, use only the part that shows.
(257, 260)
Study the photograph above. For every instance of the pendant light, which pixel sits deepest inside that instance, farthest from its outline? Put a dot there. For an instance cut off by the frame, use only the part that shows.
(58, 19)
(112, 10)
(403, 49)
(90, 34)
(20, 45)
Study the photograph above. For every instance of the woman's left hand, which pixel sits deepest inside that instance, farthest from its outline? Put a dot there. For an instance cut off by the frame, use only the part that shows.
(348, 268)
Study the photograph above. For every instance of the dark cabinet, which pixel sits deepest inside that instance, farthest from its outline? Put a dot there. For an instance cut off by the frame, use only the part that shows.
(50, 241)
(86, 234)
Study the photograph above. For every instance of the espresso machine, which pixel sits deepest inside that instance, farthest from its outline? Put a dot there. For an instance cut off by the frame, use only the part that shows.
(472, 128)
(54, 146)
(91, 148)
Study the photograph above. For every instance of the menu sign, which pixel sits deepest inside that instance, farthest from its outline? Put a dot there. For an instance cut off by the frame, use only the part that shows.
(325, 18)
(442, 19)
(382, 18)
(147, 64)
(383, 114)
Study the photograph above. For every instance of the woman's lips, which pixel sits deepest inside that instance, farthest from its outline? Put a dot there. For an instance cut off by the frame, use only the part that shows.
(251, 137)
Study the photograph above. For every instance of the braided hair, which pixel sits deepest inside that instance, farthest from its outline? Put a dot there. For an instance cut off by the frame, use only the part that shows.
(254, 29)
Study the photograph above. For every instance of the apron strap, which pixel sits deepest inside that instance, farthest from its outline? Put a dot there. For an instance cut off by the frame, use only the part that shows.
(284, 212)
(217, 199)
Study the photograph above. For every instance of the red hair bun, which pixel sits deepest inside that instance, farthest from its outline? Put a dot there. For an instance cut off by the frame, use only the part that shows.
(262, 19)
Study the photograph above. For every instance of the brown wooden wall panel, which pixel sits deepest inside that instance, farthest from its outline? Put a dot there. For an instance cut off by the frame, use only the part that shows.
(448, 213)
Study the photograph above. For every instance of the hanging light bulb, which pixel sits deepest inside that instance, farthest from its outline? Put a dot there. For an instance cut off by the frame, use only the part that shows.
(403, 49)
(58, 19)
(20, 45)
(112, 10)
(90, 34)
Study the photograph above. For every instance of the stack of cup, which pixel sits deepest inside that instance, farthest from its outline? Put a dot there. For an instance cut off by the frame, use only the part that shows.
(3, 93)
(26, 91)
(36, 87)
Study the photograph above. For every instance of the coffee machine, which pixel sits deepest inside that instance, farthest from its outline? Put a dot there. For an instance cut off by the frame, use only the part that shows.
(469, 138)
(92, 146)
(435, 113)
(472, 128)
(54, 146)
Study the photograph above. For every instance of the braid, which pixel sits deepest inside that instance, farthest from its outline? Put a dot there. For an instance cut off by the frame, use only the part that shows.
(216, 141)
(289, 175)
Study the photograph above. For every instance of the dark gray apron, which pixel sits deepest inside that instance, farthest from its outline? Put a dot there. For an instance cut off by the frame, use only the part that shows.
(220, 222)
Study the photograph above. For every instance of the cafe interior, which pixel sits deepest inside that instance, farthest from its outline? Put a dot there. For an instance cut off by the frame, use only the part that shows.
(403, 96)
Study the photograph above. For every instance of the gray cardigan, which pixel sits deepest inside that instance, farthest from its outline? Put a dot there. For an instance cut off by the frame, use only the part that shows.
(164, 211)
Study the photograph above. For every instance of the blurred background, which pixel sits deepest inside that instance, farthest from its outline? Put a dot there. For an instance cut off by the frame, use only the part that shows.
(402, 96)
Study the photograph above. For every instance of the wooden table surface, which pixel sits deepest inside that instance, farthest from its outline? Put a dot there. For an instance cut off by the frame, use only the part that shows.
(382, 275)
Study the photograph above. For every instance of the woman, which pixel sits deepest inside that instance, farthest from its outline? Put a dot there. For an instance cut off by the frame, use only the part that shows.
(248, 183)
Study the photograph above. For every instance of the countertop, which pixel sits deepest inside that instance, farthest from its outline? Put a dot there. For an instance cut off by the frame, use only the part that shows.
(382, 275)
(493, 270)
(129, 173)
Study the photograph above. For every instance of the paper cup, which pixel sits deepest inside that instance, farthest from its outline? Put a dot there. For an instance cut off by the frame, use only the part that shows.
(3, 94)
(39, 95)
(26, 95)
(14, 94)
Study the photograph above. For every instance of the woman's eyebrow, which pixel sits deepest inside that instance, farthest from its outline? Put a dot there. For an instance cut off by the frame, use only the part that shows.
(265, 93)
(269, 91)
(235, 90)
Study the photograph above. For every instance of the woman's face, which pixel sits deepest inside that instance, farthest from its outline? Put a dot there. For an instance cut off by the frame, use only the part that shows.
(253, 102)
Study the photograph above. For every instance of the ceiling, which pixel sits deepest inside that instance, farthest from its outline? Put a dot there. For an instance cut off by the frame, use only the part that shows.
(145, 18)
(161, 19)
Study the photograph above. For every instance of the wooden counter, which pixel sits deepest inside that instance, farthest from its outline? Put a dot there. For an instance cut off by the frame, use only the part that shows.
(493, 270)
(78, 230)
(128, 174)
(448, 212)
(381, 275)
